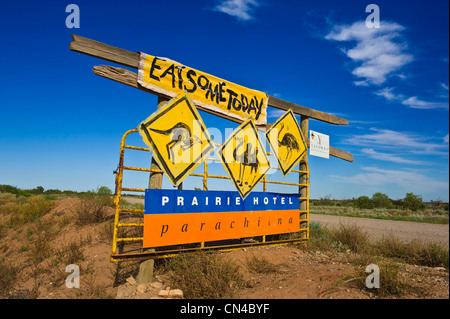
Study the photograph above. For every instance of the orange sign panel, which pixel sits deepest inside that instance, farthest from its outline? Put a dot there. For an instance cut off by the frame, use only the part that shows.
(183, 216)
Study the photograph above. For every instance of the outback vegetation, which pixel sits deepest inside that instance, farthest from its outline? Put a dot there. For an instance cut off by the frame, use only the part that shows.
(410, 208)
(41, 232)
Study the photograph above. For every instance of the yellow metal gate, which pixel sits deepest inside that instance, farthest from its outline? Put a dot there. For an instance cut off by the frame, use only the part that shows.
(128, 222)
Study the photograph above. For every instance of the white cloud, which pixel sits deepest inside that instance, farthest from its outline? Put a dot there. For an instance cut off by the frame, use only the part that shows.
(389, 157)
(240, 9)
(445, 86)
(388, 95)
(379, 51)
(275, 113)
(445, 138)
(408, 180)
(416, 103)
(399, 141)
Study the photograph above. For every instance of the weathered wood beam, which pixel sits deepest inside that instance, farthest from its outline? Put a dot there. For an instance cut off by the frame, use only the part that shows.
(129, 78)
(131, 59)
(104, 51)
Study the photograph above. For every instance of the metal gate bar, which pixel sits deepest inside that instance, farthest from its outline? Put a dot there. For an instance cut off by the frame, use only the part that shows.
(139, 254)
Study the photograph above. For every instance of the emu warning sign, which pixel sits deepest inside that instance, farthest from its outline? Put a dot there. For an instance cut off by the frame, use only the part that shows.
(175, 217)
(287, 142)
(177, 138)
(170, 78)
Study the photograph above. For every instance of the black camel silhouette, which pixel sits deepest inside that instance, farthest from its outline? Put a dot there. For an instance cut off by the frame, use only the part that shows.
(246, 158)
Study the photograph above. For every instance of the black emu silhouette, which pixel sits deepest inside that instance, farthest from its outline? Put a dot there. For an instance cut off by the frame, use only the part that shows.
(288, 141)
(180, 134)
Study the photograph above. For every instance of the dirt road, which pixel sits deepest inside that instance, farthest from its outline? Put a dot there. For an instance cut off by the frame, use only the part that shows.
(377, 228)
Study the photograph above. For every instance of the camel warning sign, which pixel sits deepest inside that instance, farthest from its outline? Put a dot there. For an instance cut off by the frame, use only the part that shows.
(287, 142)
(177, 138)
(244, 157)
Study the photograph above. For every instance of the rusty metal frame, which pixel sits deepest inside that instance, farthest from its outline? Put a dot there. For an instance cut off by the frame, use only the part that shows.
(117, 256)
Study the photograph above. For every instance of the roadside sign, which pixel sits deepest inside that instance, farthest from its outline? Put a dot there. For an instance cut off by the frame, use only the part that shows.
(175, 217)
(287, 142)
(244, 158)
(168, 77)
(177, 138)
(319, 144)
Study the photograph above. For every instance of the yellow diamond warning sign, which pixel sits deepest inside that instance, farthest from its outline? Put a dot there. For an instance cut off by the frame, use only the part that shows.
(287, 142)
(244, 157)
(177, 138)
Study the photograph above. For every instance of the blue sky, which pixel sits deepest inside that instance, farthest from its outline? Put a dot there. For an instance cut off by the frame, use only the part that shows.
(61, 125)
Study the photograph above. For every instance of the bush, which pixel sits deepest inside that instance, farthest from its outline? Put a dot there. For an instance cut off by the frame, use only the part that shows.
(413, 202)
(90, 210)
(364, 202)
(31, 211)
(93, 206)
(381, 200)
(205, 276)
(416, 252)
(351, 236)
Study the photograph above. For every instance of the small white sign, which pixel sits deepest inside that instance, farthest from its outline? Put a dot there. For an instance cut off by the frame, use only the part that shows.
(319, 144)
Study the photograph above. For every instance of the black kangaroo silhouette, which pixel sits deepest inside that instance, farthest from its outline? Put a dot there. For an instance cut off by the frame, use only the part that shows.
(180, 135)
(246, 158)
(288, 141)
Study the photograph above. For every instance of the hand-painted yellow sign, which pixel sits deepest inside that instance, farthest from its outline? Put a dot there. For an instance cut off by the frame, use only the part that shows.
(244, 157)
(177, 138)
(170, 78)
(287, 142)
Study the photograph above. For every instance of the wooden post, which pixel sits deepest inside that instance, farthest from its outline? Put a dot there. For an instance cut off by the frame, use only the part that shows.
(155, 182)
(303, 178)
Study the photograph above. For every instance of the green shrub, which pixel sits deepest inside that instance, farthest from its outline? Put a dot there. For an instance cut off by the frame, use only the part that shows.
(364, 202)
(381, 200)
(413, 202)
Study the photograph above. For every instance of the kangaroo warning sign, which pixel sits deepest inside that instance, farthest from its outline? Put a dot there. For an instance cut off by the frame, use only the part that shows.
(177, 138)
(168, 77)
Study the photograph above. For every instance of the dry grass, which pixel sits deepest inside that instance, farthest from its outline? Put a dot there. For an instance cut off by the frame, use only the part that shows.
(18, 212)
(203, 275)
(8, 275)
(388, 253)
(92, 209)
(416, 252)
(259, 264)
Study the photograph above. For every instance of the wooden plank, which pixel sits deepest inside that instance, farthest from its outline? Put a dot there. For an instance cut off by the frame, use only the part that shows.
(129, 78)
(104, 51)
(131, 59)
